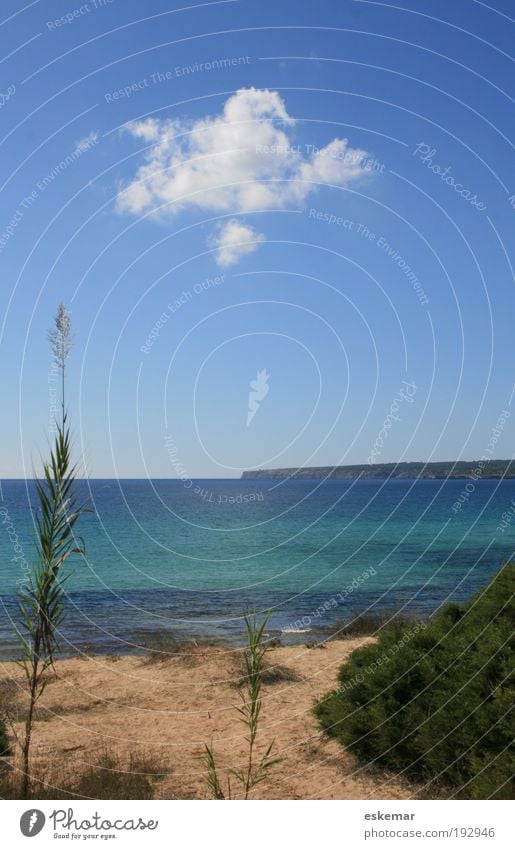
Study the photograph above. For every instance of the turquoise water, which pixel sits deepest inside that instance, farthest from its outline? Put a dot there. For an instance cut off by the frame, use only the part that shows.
(191, 558)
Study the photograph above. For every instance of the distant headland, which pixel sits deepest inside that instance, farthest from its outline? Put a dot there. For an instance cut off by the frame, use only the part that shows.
(475, 470)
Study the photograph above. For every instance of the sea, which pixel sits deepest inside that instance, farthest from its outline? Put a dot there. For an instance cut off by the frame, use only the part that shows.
(188, 559)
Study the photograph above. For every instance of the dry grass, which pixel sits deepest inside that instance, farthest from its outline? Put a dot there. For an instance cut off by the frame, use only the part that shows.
(276, 673)
(109, 777)
(273, 672)
(162, 647)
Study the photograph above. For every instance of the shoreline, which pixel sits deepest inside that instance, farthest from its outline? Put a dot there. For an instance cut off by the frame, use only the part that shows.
(169, 641)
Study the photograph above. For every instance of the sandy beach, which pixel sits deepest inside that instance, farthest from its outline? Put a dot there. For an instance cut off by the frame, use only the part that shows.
(169, 708)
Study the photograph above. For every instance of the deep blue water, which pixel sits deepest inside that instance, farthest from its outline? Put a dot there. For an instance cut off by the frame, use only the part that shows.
(192, 560)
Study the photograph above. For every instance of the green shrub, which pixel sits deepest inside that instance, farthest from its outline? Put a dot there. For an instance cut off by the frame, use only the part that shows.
(433, 699)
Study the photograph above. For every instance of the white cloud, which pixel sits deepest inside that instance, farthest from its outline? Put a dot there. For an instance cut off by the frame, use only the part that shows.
(235, 240)
(242, 160)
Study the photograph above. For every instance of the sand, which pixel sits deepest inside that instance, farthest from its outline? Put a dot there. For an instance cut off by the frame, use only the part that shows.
(170, 708)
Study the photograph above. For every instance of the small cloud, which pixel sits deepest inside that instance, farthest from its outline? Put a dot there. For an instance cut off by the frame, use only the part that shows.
(88, 141)
(235, 240)
(147, 130)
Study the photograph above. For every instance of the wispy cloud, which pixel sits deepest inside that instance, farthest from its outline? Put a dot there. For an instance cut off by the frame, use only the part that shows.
(82, 145)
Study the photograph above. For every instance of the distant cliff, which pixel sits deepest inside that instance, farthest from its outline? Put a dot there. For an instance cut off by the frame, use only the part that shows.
(479, 469)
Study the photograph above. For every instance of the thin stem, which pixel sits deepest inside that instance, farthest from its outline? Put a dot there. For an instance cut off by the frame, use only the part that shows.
(63, 414)
(33, 697)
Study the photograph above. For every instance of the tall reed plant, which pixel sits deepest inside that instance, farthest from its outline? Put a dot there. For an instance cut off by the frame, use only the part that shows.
(41, 597)
(255, 768)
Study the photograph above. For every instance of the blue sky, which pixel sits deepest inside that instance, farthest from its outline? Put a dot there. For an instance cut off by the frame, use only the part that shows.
(316, 198)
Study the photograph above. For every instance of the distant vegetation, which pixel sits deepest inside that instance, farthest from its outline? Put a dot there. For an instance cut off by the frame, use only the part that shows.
(433, 471)
(433, 700)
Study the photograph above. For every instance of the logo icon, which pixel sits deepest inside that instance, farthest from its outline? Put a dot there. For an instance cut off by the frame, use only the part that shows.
(31, 822)
(259, 389)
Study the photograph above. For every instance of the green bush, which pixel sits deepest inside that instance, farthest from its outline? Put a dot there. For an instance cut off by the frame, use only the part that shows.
(432, 700)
